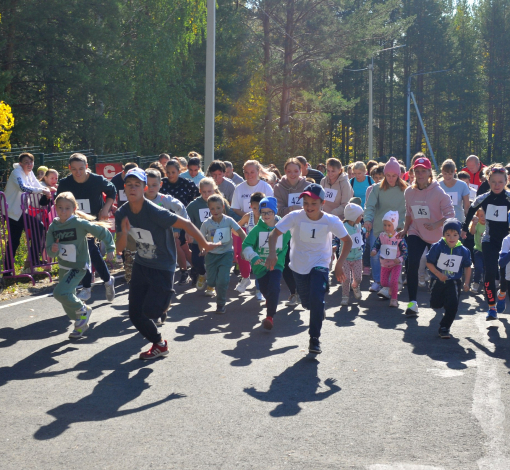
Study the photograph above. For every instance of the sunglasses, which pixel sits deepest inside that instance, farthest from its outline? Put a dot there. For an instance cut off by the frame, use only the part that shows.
(498, 170)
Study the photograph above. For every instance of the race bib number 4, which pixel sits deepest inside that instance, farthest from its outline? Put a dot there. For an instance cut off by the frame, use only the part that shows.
(449, 263)
(421, 212)
(222, 235)
(294, 200)
(141, 236)
(83, 205)
(264, 241)
(388, 251)
(67, 253)
(204, 214)
(496, 213)
(357, 240)
(454, 197)
(330, 194)
(313, 233)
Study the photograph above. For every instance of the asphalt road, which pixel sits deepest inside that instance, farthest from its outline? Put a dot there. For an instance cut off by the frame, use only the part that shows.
(386, 393)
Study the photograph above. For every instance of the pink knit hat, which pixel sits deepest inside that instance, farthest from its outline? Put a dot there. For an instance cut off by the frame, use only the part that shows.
(392, 166)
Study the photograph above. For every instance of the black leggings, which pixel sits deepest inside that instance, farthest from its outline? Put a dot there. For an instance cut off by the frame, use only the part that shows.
(288, 275)
(490, 252)
(35, 240)
(415, 248)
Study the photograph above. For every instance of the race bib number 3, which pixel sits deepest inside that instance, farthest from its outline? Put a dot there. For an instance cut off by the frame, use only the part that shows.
(67, 253)
(496, 213)
(388, 251)
(313, 233)
(204, 214)
(454, 197)
(294, 200)
(222, 235)
(141, 236)
(83, 205)
(421, 212)
(449, 263)
(264, 241)
(357, 240)
(330, 194)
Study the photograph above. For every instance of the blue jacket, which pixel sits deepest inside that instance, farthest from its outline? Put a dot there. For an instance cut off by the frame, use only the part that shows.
(441, 247)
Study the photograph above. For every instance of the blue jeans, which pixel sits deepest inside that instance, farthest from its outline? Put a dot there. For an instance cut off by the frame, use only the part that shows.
(312, 288)
(269, 285)
(375, 261)
(478, 261)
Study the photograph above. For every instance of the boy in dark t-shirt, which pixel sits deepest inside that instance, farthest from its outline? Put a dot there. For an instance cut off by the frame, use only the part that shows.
(150, 289)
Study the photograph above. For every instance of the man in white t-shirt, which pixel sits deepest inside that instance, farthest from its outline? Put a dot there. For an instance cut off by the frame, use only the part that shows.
(310, 254)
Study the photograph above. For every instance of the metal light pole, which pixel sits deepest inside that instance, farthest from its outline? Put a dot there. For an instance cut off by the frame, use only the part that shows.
(210, 84)
(408, 136)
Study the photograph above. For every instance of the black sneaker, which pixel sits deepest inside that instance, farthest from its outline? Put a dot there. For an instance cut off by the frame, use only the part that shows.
(193, 275)
(221, 309)
(314, 346)
(184, 277)
(444, 332)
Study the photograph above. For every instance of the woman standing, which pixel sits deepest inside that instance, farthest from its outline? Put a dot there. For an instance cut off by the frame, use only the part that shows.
(427, 207)
(384, 197)
(337, 188)
(287, 193)
(361, 181)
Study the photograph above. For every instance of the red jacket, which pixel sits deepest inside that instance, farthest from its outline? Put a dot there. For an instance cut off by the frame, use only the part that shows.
(474, 178)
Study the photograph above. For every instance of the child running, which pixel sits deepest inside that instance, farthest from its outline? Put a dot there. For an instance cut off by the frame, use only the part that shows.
(256, 250)
(218, 262)
(310, 254)
(445, 260)
(477, 229)
(393, 253)
(150, 290)
(353, 265)
(67, 240)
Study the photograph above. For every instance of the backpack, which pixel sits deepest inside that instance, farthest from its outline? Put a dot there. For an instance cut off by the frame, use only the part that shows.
(370, 181)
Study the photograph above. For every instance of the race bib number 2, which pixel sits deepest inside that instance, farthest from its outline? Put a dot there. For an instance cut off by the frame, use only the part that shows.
(67, 253)
(313, 233)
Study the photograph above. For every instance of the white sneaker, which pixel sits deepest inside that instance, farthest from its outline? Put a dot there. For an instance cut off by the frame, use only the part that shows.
(82, 317)
(375, 287)
(422, 283)
(243, 285)
(344, 302)
(357, 292)
(209, 292)
(85, 294)
(412, 309)
(293, 300)
(78, 332)
(259, 296)
(475, 287)
(384, 293)
(110, 289)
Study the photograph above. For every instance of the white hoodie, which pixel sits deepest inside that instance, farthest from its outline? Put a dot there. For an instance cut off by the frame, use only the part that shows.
(17, 184)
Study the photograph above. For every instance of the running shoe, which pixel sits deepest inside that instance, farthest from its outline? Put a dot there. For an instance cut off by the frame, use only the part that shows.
(394, 303)
(243, 285)
(357, 292)
(444, 332)
(209, 292)
(314, 346)
(110, 289)
(344, 302)
(201, 282)
(375, 287)
(384, 293)
(475, 287)
(184, 277)
(293, 300)
(85, 294)
(267, 323)
(82, 316)
(155, 351)
(491, 314)
(412, 309)
(221, 309)
(78, 332)
(501, 304)
(259, 296)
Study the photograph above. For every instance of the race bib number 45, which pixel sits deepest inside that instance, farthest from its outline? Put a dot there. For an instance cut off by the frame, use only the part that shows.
(421, 212)
(313, 233)
(449, 263)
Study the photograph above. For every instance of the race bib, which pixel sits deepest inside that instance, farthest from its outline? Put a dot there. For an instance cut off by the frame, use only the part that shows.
(83, 205)
(421, 212)
(222, 235)
(246, 204)
(67, 253)
(264, 241)
(454, 197)
(294, 200)
(204, 214)
(496, 213)
(122, 195)
(472, 193)
(474, 187)
(141, 236)
(388, 251)
(357, 240)
(313, 233)
(449, 263)
(330, 194)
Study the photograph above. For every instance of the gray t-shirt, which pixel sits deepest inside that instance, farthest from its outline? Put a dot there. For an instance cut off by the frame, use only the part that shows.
(456, 193)
(151, 230)
(227, 188)
(220, 232)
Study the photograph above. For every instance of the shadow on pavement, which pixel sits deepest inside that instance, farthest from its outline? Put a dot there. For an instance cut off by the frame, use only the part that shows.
(501, 347)
(297, 384)
(38, 330)
(109, 395)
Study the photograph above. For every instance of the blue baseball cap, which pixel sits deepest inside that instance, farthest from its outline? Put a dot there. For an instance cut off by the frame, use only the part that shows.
(269, 203)
(137, 173)
(315, 191)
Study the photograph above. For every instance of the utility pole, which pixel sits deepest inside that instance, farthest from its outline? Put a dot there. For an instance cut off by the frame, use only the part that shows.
(210, 84)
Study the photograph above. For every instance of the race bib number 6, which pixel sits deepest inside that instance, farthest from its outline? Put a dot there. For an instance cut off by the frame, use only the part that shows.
(357, 240)
(313, 233)
(388, 251)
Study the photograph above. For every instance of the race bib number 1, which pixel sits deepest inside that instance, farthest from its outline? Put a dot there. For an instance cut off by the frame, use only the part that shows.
(357, 240)
(67, 253)
(141, 236)
(449, 263)
(264, 241)
(454, 197)
(496, 213)
(83, 205)
(388, 251)
(421, 212)
(313, 233)
(294, 200)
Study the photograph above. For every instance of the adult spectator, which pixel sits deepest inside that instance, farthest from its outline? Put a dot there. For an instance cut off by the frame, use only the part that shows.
(217, 171)
(88, 189)
(385, 196)
(22, 180)
(231, 174)
(118, 182)
(427, 207)
(194, 172)
(308, 172)
(475, 168)
(163, 159)
(336, 187)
